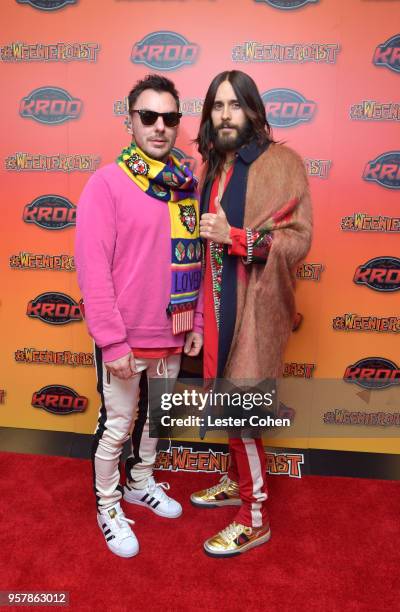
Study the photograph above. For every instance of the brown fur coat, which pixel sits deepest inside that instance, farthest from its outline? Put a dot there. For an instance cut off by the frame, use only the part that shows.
(266, 303)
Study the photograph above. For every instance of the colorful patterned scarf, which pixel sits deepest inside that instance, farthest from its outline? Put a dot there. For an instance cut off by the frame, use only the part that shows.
(175, 185)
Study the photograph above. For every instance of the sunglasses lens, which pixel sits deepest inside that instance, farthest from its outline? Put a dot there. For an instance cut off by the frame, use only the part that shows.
(171, 119)
(148, 117)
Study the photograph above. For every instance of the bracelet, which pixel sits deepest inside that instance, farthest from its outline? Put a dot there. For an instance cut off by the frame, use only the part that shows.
(249, 243)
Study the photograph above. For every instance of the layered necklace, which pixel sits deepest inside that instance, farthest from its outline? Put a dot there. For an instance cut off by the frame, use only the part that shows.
(217, 249)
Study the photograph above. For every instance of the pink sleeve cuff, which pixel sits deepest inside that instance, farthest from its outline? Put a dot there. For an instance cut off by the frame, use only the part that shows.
(198, 324)
(115, 351)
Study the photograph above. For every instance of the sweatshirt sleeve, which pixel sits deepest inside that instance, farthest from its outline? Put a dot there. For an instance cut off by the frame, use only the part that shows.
(198, 325)
(94, 250)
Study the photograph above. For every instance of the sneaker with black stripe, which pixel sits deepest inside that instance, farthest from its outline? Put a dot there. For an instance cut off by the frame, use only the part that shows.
(119, 537)
(224, 493)
(236, 539)
(153, 496)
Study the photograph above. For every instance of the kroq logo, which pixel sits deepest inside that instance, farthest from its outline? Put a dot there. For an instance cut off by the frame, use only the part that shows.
(50, 212)
(286, 107)
(59, 399)
(164, 51)
(380, 274)
(184, 160)
(388, 54)
(373, 373)
(47, 5)
(54, 308)
(51, 105)
(287, 5)
(385, 170)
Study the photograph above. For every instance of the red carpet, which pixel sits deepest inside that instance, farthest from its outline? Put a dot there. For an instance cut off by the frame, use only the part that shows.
(335, 545)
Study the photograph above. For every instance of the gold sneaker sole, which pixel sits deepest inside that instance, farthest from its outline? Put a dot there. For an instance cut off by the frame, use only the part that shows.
(218, 503)
(262, 540)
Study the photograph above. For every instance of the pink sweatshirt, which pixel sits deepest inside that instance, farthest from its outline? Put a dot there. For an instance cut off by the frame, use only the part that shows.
(123, 258)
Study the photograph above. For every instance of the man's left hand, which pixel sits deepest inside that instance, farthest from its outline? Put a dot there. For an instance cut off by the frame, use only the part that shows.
(193, 344)
(215, 226)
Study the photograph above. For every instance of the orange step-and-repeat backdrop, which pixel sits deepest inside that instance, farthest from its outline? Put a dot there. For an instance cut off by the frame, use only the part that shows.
(329, 73)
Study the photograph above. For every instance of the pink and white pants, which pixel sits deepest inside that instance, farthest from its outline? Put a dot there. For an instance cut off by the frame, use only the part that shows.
(123, 415)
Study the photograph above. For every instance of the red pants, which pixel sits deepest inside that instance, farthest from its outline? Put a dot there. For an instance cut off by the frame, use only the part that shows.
(247, 467)
(247, 457)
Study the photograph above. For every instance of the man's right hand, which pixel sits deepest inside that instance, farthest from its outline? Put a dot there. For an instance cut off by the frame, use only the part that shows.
(124, 367)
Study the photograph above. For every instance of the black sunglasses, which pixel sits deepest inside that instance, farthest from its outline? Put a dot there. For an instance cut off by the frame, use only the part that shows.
(149, 117)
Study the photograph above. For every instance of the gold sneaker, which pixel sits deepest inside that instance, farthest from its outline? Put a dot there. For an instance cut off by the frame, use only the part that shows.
(225, 493)
(236, 539)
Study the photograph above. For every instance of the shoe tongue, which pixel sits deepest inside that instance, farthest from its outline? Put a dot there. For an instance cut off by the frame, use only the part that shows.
(151, 483)
(113, 511)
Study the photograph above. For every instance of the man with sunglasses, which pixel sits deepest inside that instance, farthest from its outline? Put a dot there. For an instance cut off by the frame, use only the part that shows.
(138, 256)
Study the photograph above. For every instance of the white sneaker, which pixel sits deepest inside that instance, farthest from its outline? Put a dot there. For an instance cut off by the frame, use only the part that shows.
(120, 538)
(154, 497)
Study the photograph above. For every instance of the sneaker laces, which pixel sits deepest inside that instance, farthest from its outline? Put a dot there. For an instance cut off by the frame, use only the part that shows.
(122, 518)
(224, 481)
(118, 527)
(231, 532)
(158, 488)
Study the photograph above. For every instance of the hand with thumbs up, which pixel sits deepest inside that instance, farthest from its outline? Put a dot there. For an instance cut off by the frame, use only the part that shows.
(215, 226)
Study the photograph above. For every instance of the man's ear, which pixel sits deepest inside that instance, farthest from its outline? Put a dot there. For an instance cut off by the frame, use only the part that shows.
(129, 125)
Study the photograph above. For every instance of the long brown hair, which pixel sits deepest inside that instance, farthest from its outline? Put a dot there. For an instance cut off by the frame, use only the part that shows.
(253, 107)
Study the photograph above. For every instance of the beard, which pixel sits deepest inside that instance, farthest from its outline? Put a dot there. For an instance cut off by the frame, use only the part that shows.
(231, 142)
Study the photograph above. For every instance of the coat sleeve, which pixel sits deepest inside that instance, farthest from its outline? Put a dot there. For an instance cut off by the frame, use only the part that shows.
(94, 251)
(250, 244)
(278, 207)
(294, 241)
(283, 178)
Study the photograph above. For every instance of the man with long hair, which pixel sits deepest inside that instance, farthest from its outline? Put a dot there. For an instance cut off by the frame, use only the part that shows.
(257, 223)
(137, 241)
